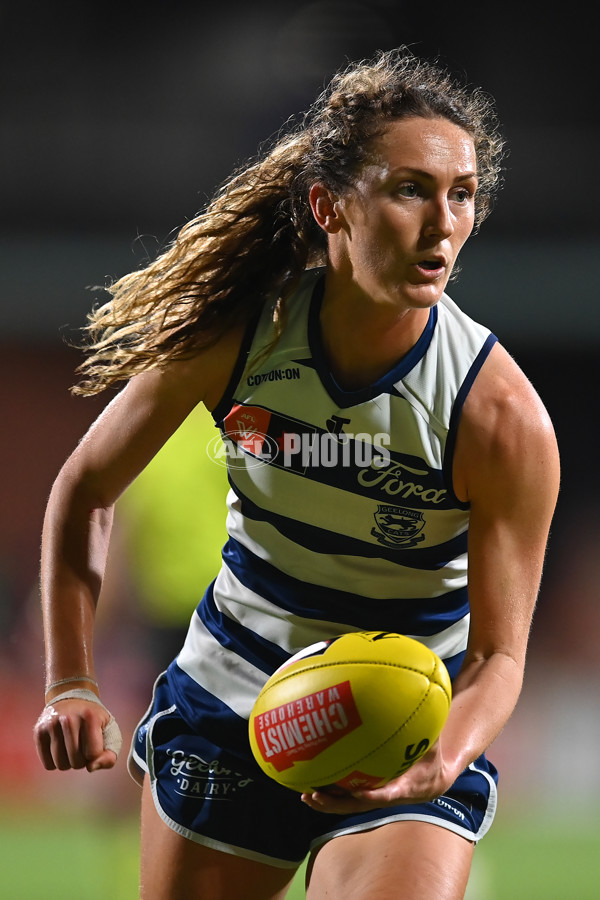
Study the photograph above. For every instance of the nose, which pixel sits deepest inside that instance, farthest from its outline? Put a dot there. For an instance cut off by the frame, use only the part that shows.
(438, 222)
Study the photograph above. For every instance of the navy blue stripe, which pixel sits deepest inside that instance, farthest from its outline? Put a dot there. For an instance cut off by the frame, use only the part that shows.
(320, 540)
(227, 728)
(224, 404)
(456, 413)
(355, 466)
(376, 615)
(256, 650)
(453, 664)
(420, 616)
(194, 703)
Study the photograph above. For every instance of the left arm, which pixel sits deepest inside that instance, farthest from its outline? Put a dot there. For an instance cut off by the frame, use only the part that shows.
(507, 467)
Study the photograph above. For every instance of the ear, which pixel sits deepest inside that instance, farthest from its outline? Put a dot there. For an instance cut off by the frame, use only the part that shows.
(325, 208)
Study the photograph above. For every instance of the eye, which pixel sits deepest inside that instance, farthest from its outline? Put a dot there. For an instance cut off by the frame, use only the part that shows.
(462, 195)
(408, 189)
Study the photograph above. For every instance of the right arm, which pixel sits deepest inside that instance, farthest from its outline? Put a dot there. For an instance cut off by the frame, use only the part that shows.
(76, 533)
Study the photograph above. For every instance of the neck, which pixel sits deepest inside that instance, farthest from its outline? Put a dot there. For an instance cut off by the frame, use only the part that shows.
(363, 339)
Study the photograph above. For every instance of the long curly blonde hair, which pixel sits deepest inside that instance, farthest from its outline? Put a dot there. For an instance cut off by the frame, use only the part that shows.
(257, 235)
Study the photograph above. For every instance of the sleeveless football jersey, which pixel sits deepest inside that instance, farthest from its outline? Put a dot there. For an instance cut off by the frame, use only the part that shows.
(342, 514)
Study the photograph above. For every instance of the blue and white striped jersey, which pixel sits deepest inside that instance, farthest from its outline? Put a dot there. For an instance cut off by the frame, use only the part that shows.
(342, 514)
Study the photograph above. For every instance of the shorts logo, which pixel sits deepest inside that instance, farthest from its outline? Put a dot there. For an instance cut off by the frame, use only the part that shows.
(195, 777)
(397, 526)
(445, 805)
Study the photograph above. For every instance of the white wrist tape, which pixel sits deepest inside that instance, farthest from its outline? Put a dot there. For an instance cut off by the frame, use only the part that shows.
(111, 732)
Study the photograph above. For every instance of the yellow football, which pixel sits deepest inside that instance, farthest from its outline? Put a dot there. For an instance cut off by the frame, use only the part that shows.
(349, 713)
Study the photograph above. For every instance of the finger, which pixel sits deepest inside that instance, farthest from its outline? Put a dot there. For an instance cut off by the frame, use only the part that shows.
(401, 790)
(379, 796)
(330, 803)
(92, 744)
(111, 743)
(105, 760)
(72, 735)
(111, 735)
(42, 746)
(51, 741)
(57, 747)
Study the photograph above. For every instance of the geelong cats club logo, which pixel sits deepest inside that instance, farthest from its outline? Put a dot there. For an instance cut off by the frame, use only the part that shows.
(397, 526)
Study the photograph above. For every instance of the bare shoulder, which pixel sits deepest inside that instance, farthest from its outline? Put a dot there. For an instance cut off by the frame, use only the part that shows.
(203, 378)
(183, 384)
(505, 432)
(144, 415)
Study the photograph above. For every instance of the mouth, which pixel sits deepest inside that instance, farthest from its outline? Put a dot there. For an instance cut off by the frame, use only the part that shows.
(432, 267)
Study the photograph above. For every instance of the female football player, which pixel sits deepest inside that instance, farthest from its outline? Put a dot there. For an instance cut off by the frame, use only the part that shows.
(305, 304)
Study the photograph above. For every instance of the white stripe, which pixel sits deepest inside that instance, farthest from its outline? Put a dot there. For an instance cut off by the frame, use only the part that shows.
(292, 633)
(490, 811)
(334, 508)
(450, 641)
(398, 817)
(220, 671)
(288, 631)
(237, 682)
(467, 833)
(375, 578)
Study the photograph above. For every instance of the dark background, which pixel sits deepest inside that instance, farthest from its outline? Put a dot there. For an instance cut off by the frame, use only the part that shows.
(117, 121)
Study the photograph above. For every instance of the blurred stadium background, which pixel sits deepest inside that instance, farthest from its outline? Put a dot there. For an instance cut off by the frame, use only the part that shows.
(117, 122)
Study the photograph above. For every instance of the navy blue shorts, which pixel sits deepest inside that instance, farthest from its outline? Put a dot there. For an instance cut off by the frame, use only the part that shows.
(222, 799)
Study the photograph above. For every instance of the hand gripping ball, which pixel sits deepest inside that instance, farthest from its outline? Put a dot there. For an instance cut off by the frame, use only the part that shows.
(350, 713)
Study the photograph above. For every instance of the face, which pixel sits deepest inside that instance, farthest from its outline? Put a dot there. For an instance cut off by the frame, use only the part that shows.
(397, 233)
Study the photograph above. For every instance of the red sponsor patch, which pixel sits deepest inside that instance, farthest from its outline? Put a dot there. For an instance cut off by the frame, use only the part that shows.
(304, 728)
(247, 426)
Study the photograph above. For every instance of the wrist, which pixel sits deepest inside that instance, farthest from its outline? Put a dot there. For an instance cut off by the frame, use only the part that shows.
(77, 681)
(77, 694)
